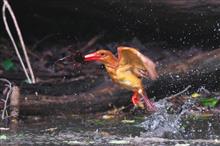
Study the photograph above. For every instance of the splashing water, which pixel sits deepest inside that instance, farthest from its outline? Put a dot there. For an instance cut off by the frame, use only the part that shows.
(163, 124)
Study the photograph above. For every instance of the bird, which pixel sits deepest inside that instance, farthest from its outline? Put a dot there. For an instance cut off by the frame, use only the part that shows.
(128, 69)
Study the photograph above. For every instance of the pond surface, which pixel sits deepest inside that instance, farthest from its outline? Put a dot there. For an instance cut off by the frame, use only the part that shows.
(159, 128)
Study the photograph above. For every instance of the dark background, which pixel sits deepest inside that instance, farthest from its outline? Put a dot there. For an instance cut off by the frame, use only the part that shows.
(182, 22)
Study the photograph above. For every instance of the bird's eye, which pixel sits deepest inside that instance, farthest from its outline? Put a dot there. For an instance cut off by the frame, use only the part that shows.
(102, 54)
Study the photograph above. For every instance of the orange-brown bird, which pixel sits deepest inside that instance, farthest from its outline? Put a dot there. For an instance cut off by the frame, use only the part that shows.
(128, 70)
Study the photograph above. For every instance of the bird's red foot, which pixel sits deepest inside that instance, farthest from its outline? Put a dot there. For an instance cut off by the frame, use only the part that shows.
(136, 100)
(139, 102)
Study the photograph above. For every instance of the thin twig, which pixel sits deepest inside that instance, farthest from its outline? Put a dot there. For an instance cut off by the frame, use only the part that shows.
(181, 92)
(7, 6)
(4, 111)
(13, 42)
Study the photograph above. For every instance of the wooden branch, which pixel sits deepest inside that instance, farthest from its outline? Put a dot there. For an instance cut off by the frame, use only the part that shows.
(98, 100)
(14, 108)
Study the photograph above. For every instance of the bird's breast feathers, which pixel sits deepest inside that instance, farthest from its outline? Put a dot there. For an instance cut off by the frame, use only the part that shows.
(127, 79)
(124, 76)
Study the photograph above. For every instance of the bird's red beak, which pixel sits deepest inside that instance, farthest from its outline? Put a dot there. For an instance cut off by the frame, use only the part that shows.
(92, 57)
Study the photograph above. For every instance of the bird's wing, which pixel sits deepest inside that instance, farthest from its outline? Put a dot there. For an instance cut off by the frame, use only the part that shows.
(141, 65)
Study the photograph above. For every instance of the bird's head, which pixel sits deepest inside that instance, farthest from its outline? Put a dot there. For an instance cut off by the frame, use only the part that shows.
(103, 56)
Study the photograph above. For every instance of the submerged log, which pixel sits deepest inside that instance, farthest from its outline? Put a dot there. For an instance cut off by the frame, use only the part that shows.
(200, 70)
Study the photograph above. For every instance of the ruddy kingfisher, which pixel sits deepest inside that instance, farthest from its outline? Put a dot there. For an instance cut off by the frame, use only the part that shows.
(128, 70)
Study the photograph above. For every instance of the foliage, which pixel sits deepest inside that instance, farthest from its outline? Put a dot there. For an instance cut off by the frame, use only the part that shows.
(8, 65)
(209, 102)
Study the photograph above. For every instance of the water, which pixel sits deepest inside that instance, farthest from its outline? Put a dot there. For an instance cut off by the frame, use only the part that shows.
(161, 122)
(159, 128)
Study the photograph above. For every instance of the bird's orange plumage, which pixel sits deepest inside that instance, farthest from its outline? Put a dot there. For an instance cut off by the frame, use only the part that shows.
(128, 70)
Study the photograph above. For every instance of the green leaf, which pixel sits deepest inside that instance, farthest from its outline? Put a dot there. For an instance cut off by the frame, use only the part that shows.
(8, 65)
(209, 102)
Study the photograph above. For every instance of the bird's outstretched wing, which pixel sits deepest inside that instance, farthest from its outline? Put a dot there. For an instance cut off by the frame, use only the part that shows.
(141, 65)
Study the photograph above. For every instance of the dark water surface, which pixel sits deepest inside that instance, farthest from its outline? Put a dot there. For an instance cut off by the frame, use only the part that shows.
(159, 128)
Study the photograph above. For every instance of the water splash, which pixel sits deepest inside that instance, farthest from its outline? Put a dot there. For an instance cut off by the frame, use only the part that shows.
(164, 124)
